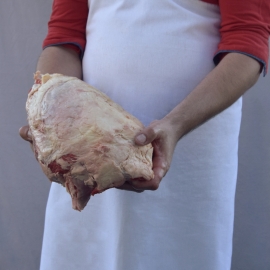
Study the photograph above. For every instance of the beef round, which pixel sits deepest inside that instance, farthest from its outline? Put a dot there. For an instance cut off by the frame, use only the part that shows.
(82, 139)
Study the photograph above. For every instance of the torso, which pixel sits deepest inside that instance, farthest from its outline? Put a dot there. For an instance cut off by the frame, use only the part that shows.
(145, 51)
(147, 56)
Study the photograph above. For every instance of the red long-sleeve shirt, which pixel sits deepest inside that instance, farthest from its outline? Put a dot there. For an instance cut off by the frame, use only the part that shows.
(245, 27)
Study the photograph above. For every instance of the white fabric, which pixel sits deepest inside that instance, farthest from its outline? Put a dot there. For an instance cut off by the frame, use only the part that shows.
(147, 56)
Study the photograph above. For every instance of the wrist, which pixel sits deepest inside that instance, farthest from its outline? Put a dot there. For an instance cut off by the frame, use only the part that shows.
(175, 124)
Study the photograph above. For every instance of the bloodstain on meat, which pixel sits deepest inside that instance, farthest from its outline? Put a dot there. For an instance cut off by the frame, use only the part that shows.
(56, 168)
(95, 190)
(69, 158)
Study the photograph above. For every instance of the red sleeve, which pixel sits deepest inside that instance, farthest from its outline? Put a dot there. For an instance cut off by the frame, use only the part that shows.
(211, 1)
(67, 24)
(245, 28)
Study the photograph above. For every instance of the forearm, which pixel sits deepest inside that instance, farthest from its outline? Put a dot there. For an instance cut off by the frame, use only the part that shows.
(235, 74)
(57, 59)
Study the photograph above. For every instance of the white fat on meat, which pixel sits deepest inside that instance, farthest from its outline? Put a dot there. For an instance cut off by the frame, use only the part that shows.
(82, 139)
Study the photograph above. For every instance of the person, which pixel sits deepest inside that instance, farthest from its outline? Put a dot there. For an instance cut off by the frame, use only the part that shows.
(155, 58)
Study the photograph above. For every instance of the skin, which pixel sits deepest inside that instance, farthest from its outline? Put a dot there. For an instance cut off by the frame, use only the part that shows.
(228, 81)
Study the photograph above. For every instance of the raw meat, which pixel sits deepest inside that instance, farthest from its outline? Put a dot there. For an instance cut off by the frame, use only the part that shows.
(82, 139)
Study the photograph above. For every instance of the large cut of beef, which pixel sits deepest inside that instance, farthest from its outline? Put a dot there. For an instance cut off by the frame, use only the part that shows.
(82, 139)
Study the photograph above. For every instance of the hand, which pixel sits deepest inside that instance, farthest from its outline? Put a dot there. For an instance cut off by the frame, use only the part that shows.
(79, 192)
(25, 133)
(163, 136)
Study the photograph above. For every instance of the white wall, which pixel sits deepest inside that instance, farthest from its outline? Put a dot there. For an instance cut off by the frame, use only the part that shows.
(24, 189)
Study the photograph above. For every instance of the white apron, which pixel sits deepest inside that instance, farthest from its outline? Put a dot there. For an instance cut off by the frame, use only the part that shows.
(147, 55)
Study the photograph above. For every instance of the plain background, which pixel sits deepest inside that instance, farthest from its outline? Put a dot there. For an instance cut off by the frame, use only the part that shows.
(24, 188)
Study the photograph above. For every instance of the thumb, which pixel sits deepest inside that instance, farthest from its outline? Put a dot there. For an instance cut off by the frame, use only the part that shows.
(146, 136)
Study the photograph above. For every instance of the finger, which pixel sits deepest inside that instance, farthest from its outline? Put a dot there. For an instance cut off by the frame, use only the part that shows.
(149, 185)
(25, 133)
(127, 186)
(161, 159)
(146, 136)
(159, 170)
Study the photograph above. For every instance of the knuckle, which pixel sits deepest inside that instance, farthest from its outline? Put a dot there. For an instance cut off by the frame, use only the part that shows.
(158, 128)
(151, 132)
(166, 167)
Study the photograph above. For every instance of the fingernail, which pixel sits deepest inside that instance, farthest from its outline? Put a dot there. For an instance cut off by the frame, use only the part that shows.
(141, 138)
